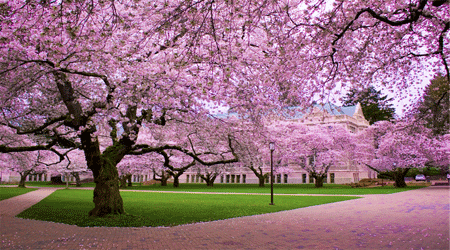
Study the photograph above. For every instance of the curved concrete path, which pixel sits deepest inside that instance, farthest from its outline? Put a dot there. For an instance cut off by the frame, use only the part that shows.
(417, 219)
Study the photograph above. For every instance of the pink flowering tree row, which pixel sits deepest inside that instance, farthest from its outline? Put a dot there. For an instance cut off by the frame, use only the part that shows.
(396, 148)
(72, 67)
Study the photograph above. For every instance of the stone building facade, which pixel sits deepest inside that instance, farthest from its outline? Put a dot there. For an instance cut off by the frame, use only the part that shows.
(352, 118)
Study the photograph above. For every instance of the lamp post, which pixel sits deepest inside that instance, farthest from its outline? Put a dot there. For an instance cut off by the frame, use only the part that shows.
(272, 148)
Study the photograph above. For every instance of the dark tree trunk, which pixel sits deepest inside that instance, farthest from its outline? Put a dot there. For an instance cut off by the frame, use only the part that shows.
(319, 181)
(130, 184)
(209, 179)
(176, 181)
(259, 174)
(163, 177)
(261, 180)
(123, 181)
(77, 179)
(107, 199)
(23, 177)
(399, 177)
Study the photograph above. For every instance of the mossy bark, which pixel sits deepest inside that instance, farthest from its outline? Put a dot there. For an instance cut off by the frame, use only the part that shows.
(23, 177)
(107, 199)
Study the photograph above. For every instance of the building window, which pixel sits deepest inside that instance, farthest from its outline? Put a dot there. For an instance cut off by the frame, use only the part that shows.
(221, 179)
(311, 179)
(196, 178)
(285, 178)
(278, 178)
(244, 178)
(352, 129)
(238, 178)
(331, 177)
(325, 179)
(187, 178)
(228, 178)
(303, 178)
(192, 178)
(232, 178)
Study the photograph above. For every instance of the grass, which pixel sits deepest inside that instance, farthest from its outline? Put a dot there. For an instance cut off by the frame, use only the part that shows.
(165, 209)
(254, 188)
(278, 188)
(8, 192)
(48, 184)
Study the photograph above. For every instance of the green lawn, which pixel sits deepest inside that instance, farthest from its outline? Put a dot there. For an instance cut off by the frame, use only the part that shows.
(165, 209)
(8, 192)
(48, 184)
(278, 188)
(253, 188)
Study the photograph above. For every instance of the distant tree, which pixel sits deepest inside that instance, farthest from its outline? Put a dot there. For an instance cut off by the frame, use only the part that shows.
(434, 106)
(375, 106)
(315, 149)
(394, 148)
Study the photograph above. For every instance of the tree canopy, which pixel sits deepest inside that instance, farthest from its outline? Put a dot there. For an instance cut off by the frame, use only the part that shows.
(375, 106)
(74, 72)
(434, 106)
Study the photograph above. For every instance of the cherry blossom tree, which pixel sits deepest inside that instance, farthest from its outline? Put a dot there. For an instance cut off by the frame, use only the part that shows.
(73, 164)
(315, 149)
(71, 68)
(340, 44)
(401, 146)
(209, 174)
(252, 140)
(64, 75)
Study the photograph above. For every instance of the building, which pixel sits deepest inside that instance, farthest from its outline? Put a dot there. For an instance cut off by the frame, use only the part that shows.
(351, 117)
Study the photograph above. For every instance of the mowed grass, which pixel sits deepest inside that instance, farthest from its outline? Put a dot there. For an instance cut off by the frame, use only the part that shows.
(278, 188)
(165, 209)
(254, 188)
(8, 192)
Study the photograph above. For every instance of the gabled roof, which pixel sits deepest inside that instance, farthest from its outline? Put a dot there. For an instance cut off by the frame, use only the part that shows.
(298, 112)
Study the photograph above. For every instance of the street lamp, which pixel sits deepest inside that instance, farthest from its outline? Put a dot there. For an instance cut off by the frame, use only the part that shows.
(272, 148)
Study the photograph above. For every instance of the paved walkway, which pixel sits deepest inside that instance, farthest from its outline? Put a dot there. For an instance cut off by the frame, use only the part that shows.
(417, 219)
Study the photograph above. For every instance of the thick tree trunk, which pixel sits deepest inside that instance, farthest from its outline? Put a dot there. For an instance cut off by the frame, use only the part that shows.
(210, 181)
(123, 181)
(176, 181)
(319, 181)
(164, 182)
(130, 184)
(23, 177)
(399, 177)
(107, 197)
(261, 180)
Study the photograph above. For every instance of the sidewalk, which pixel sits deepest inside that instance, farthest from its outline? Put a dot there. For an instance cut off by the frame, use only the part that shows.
(417, 219)
(15, 205)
